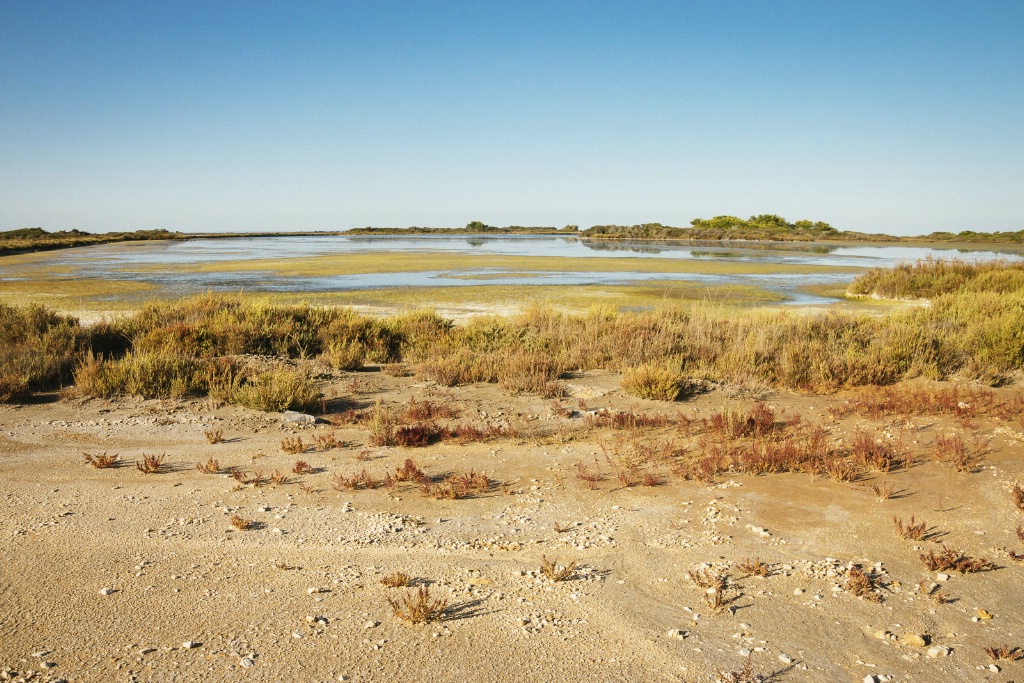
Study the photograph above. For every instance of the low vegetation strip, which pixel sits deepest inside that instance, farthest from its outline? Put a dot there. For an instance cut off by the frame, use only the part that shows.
(193, 346)
(932, 278)
(25, 240)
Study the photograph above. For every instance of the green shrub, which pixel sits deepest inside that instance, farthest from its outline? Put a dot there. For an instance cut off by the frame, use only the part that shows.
(653, 382)
(277, 390)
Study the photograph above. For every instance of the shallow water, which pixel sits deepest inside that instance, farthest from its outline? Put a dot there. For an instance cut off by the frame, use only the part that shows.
(143, 261)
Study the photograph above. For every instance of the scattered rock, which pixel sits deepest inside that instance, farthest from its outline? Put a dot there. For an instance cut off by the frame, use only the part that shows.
(938, 651)
(246, 662)
(984, 615)
(914, 639)
(293, 417)
(785, 659)
(106, 591)
(189, 644)
(677, 633)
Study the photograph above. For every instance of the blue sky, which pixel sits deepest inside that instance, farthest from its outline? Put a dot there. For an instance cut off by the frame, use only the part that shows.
(899, 117)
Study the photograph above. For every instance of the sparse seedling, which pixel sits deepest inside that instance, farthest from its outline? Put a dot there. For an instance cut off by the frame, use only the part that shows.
(1020, 533)
(101, 462)
(284, 566)
(954, 560)
(584, 474)
(882, 491)
(240, 523)
(397, 580)
(561, 528)
(1018, 496)
(550, 570)
(211, 466)
(301, 467)
(214, 437)
(1005, 652)
(912, 530)
(306, 488)
(419, 607)
(150, 463)
(293, 445)
(278, 478)
(754, 567)
(862, 584)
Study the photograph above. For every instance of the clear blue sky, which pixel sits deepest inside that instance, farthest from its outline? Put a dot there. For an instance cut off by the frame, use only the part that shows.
(901, 117)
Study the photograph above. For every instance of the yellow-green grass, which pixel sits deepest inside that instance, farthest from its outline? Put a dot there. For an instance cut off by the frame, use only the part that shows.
(410, 262)
(65, 293)
(505, 298)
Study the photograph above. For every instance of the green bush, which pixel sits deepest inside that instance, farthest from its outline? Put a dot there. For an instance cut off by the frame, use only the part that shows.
(653, 382)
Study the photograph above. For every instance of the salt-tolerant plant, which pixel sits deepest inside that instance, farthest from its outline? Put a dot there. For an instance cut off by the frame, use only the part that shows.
(102, 461)
(419, 607)
(211, 466)
(552, 571)
(150, 463)
(397, 580)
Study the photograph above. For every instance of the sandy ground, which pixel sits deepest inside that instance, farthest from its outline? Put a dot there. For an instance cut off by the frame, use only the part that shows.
(299, 598)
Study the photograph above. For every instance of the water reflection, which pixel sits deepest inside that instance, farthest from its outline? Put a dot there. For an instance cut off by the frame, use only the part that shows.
(158, 262)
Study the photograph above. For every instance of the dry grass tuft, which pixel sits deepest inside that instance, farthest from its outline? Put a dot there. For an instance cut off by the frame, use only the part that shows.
(293, 445)
(745, 675)
(862, 584)
(550, 570)
(214, 437)
(584, 474)
(882, 491)
(708, 577)
(1005, 652)
(397, 580)
(1018, 496)
(409, 472)
(419, 607)
(418, 435)
(150, 463)
(240, 523)
(211, 466)
(912, 530)
(394, 369)
(325, 442)
(456, 485)
(353, 482)
(302, 467)
(954, 560)
(754, 567)
(101, 462)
